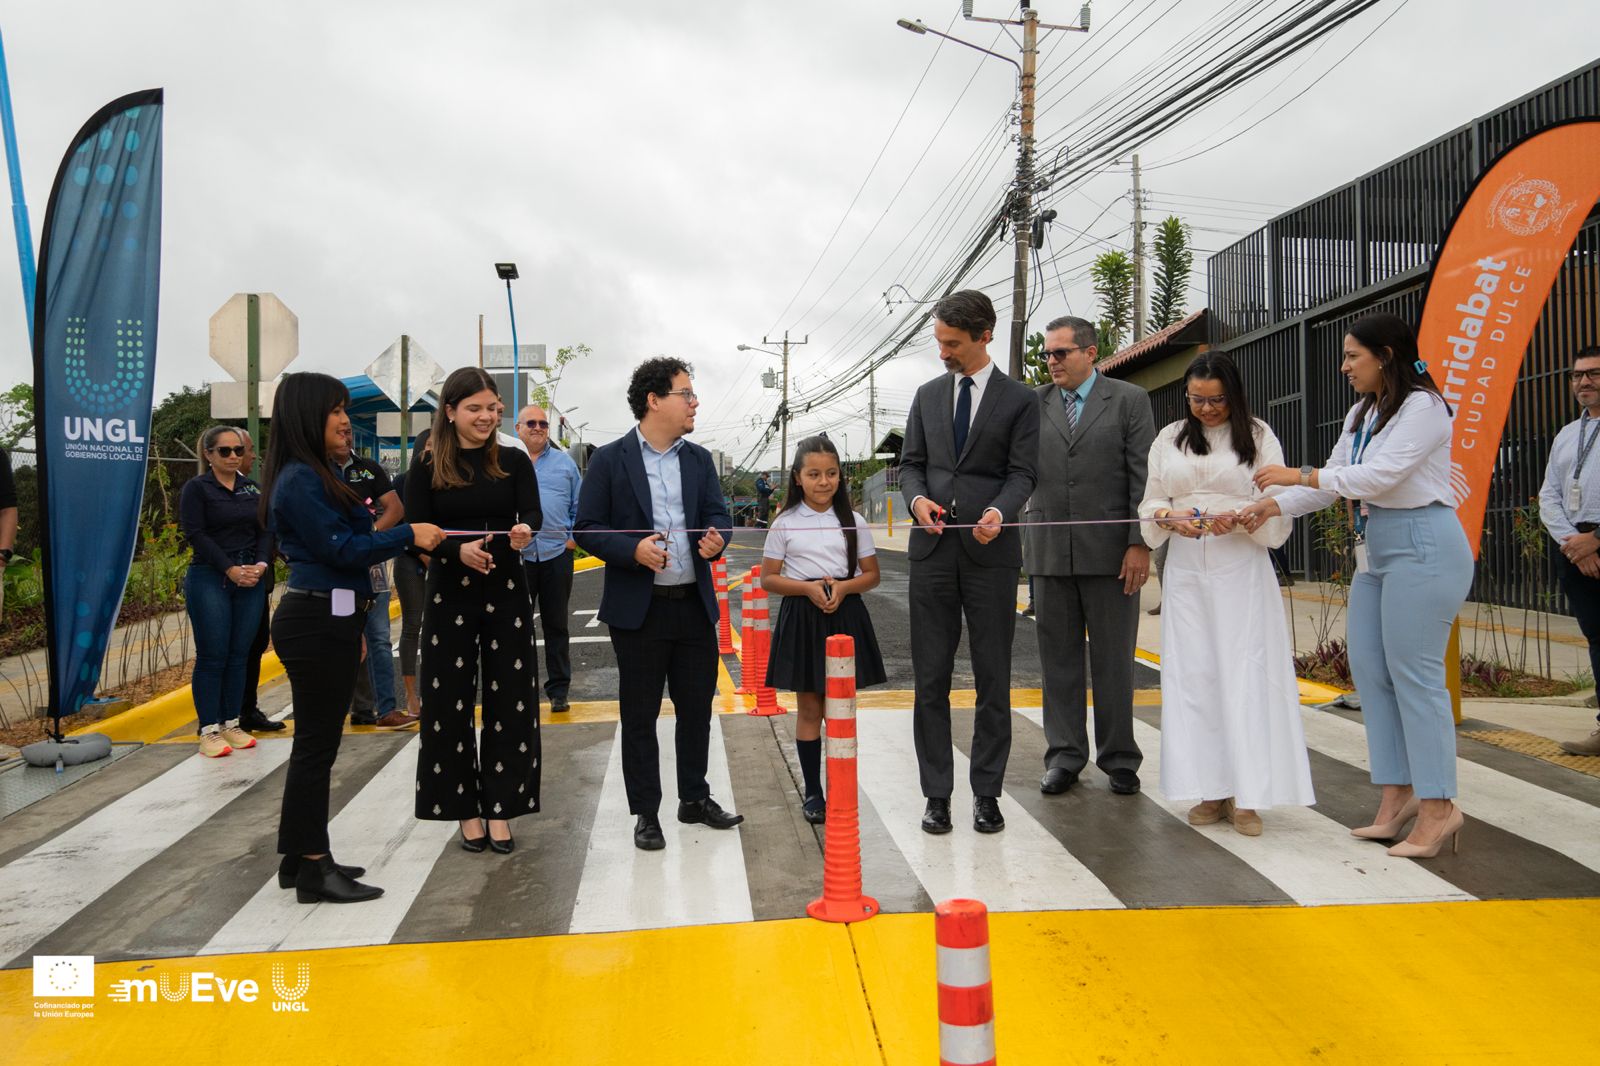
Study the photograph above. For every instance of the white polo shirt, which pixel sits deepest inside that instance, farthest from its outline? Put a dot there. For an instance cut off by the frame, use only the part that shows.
(811, 544)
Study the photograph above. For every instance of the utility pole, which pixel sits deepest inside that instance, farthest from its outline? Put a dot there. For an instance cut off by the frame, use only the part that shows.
(1022, 194)
(783, 408)
(872, 413)
(405, 400)
(1138, 254)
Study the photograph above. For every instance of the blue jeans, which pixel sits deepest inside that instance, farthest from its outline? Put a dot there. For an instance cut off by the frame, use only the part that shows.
(380, 655)
(1401, 609)
(225, 618)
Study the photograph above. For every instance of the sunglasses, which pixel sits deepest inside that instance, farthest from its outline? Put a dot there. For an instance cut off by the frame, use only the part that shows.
(535, 423)
(1055, 355)
(225, 451)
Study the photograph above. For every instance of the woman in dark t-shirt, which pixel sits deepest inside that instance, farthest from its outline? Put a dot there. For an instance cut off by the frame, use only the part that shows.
(223, 592)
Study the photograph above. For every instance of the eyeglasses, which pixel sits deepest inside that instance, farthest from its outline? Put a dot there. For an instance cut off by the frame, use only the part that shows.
(1218, 402)
(1055, 355)
(1585, 375)
(225, 451)
(536, 423)
(689, 395)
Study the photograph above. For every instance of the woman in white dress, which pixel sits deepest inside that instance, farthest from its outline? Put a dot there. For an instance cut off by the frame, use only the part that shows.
(1231, 737)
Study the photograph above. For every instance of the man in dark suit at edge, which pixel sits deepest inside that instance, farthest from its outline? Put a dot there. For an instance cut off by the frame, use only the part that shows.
(970, 458)
(659, 601)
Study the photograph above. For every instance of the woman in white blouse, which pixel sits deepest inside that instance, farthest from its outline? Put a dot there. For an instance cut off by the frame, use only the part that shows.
(1231, 737)
(1413, 570)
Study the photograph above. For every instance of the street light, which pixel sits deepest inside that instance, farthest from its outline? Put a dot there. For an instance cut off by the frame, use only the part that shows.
(507, 272)
(1022, 194)
(783, 408)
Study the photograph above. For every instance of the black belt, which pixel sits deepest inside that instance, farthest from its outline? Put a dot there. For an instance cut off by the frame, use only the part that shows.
(1585, 527)
(673, 592)
(362, 603)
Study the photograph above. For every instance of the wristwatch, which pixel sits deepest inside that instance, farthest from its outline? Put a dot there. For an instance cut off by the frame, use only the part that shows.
(6, 555)
(1305, 474)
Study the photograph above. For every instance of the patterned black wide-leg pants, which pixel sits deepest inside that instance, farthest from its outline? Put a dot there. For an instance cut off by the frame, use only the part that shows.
(467, 614)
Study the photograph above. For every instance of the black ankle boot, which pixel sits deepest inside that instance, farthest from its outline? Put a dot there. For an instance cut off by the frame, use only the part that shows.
(320, 881)
(290, 865)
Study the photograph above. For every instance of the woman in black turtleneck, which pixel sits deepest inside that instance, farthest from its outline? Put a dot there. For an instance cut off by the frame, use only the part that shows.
(477, 600)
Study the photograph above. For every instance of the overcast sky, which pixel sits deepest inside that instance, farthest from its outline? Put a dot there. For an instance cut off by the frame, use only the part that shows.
(667, 175)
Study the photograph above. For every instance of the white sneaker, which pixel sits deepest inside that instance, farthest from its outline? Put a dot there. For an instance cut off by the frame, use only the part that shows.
(213, 746)
(1590, 746)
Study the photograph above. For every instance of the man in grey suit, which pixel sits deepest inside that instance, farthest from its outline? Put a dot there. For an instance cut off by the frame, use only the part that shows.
(1094, 445)
(970, 455)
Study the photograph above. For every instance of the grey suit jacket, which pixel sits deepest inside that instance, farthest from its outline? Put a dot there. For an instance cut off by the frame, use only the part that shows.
(1096, 471)
(996, 468)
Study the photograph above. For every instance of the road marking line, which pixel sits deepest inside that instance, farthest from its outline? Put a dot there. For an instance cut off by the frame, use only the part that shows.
(377, 830)
(45, 888)
(700, 877)
(1024, 868)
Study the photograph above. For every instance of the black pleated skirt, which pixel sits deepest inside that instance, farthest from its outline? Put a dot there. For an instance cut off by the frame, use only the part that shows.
(799, 644)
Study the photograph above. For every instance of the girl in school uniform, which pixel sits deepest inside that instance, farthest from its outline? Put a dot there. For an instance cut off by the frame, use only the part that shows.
(819, 557)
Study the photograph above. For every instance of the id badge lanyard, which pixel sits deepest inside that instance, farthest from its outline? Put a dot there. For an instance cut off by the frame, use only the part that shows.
(1575, 486)
(1358, 449)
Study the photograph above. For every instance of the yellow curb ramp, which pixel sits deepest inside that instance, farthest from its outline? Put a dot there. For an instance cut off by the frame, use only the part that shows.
(1190, 985)
(1311, 692)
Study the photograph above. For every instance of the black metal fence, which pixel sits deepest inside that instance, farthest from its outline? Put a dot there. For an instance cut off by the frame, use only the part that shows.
(1282, 298)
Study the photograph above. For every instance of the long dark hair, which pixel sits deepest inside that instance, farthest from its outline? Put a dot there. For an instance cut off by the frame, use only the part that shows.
(1391, 339)
(449, 472)
(300, 413)
(820, 444)
(208, 441)
(1218, 367)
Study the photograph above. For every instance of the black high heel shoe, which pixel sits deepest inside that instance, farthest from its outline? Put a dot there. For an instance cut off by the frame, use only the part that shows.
(501, 847)
(289, 867)
(475, 844)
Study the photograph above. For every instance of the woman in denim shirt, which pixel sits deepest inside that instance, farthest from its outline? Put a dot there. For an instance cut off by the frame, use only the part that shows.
(218, 512)
(326, 534)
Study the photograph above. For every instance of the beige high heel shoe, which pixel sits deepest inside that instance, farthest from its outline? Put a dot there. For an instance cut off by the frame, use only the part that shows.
(1390, 830)
(1452, 829)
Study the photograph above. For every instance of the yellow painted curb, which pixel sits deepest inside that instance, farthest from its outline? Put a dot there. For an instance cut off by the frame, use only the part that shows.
(1310, 691)
(588, 562)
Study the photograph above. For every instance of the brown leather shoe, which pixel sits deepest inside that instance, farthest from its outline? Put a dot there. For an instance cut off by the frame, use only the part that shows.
(397, 719)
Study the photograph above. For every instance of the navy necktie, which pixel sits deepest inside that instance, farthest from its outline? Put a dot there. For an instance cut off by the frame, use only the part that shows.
(963, 420)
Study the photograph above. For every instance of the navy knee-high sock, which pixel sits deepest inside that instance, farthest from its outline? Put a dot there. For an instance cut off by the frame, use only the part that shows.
(810, 752)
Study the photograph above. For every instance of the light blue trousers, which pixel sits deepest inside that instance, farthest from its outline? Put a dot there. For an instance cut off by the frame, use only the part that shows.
(1401, 610)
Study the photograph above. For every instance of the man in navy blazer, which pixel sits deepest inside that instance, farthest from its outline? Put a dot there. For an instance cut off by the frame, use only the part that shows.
(659, 601)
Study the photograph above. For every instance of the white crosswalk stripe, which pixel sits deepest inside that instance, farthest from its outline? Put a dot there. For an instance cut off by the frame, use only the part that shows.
(699, 878)
(53, 882)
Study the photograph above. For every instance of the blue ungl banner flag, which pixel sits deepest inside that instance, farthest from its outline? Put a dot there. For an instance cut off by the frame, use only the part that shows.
(94, 355)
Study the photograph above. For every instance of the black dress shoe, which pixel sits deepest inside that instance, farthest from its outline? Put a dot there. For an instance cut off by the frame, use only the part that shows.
(936, 819)
(1057, 780)
(319, 881)
(363, 719)
(475, 844)
(502, 847)
(707, 812)
(289, 866)
(986, 817)
(253, 721)
(814, 810)
(1124, 782)
(647, 833)
(559, 705)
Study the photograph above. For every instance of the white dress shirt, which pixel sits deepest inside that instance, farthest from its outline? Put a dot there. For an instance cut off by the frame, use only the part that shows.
(1558, 518)
(1214, 483)
(811, 544)
(980, 381)
(1405, 465)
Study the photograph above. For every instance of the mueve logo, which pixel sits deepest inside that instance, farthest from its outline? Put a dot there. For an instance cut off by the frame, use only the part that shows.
(203, 986)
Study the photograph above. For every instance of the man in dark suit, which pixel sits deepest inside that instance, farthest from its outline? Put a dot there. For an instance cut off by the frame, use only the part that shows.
(970, 454)
(1094, 447)
(659, 601)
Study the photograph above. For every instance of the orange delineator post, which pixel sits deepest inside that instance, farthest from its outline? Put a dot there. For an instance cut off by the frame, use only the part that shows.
(766, 695)
(747, 644)
(719, 575)
(842, 900)
(966, 993)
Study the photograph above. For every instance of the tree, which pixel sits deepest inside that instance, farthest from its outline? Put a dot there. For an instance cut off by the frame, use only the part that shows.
(1113, 284)
(1174, 263)
(1034, 370)
(175, 428)
(542, 393)
(16, 414)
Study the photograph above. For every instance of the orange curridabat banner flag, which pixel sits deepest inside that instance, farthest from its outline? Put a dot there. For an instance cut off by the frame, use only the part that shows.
(1489, 285)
